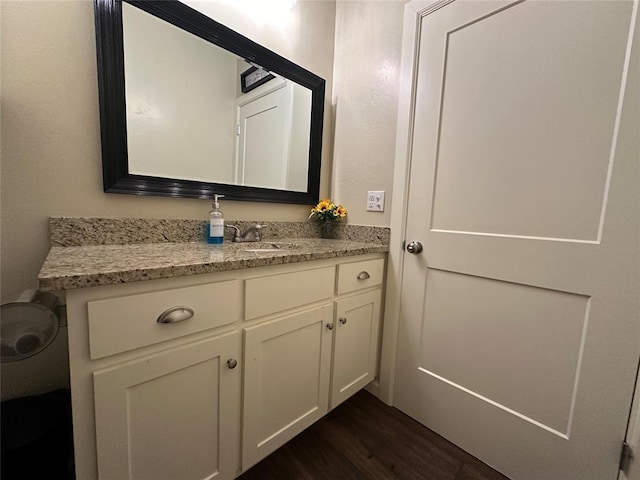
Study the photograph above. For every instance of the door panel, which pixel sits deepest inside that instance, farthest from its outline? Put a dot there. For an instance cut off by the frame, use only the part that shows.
(519, 331)
(286, 380)
(566, 77)
(177, 412)
(511, 345)
(356, 344)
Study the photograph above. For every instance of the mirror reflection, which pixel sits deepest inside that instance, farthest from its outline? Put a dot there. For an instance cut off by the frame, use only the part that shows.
(195, 111)
(189, 108)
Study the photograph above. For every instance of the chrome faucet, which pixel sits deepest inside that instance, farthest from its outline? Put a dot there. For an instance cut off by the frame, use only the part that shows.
(251, 234)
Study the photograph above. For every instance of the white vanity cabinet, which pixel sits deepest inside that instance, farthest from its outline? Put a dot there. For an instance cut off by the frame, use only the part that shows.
(267, 352)
(286, 382)
(156, 400)
(355, 345)
(170, 415)
(300, 365)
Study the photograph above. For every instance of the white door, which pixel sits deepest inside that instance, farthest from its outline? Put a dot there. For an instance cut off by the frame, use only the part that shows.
(264, 138)
(519, 332)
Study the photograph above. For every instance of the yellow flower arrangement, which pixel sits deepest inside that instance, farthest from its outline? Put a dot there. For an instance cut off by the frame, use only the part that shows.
(327, 211)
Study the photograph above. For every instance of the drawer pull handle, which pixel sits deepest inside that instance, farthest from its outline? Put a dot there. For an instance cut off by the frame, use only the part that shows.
(343, 320)
(232, 363)
(363, 275)
(176, 314)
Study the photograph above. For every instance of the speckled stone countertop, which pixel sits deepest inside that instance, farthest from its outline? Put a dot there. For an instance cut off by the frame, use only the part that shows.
(91, 251)
(92, 265)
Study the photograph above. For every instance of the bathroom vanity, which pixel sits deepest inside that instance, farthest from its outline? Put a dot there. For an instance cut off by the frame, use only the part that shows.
(280, 334)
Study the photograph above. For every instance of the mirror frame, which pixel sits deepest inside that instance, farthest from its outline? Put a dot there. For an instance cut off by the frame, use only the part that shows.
(113, 121)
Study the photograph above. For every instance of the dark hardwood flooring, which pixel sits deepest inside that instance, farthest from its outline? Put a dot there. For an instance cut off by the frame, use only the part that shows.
(365, 439)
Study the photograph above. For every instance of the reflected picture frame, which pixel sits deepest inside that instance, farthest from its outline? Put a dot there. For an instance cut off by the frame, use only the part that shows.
(254, 77)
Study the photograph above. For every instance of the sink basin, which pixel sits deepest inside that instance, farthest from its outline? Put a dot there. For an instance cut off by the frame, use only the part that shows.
(264, 250)
(271, 247)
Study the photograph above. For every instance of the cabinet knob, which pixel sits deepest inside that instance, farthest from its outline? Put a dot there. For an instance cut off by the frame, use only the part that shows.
(232, 363)
(343, 320)
(364, 275)
(330, 326)
(175, 314)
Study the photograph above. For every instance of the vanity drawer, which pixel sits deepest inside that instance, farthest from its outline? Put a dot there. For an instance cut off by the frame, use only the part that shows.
(275, 293)
(124, 323)
(356, 275)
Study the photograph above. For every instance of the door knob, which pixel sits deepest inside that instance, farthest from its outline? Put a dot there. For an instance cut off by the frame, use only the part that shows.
(232, 363)
(414, 247)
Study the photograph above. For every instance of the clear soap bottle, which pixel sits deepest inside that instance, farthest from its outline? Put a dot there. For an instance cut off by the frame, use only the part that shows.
(215, 231)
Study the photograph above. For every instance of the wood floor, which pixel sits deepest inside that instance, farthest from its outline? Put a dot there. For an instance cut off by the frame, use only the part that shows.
(365, 439)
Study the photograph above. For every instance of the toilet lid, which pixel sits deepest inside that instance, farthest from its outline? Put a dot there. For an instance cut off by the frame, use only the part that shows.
(26, 328)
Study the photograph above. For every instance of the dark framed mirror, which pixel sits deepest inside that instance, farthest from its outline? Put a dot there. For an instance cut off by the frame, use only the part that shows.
(176, 122)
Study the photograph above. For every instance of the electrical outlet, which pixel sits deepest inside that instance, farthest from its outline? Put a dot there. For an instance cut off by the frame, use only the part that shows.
(375, 201)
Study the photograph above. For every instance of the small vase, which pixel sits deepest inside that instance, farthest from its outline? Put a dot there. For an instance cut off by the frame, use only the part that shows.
(329, 230)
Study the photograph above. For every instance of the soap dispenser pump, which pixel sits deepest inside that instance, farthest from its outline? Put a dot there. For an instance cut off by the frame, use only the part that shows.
(215, 232)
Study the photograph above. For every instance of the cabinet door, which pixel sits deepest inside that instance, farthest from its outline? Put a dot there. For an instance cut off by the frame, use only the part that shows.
(356, 344)
(286, 385)
(171, 415)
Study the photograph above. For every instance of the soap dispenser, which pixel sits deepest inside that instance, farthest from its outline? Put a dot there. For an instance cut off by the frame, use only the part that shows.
(215, 232)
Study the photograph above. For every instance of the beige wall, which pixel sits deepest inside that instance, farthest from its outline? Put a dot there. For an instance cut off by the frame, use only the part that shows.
(365, 96)
(50, 136)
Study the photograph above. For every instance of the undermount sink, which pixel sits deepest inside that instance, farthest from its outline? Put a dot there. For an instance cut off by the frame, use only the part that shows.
(271, 247)
(263, 250)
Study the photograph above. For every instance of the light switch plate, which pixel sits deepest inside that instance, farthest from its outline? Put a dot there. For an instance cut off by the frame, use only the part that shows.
(375, 201)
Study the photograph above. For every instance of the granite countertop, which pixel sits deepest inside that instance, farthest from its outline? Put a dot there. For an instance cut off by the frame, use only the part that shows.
(69, 267)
